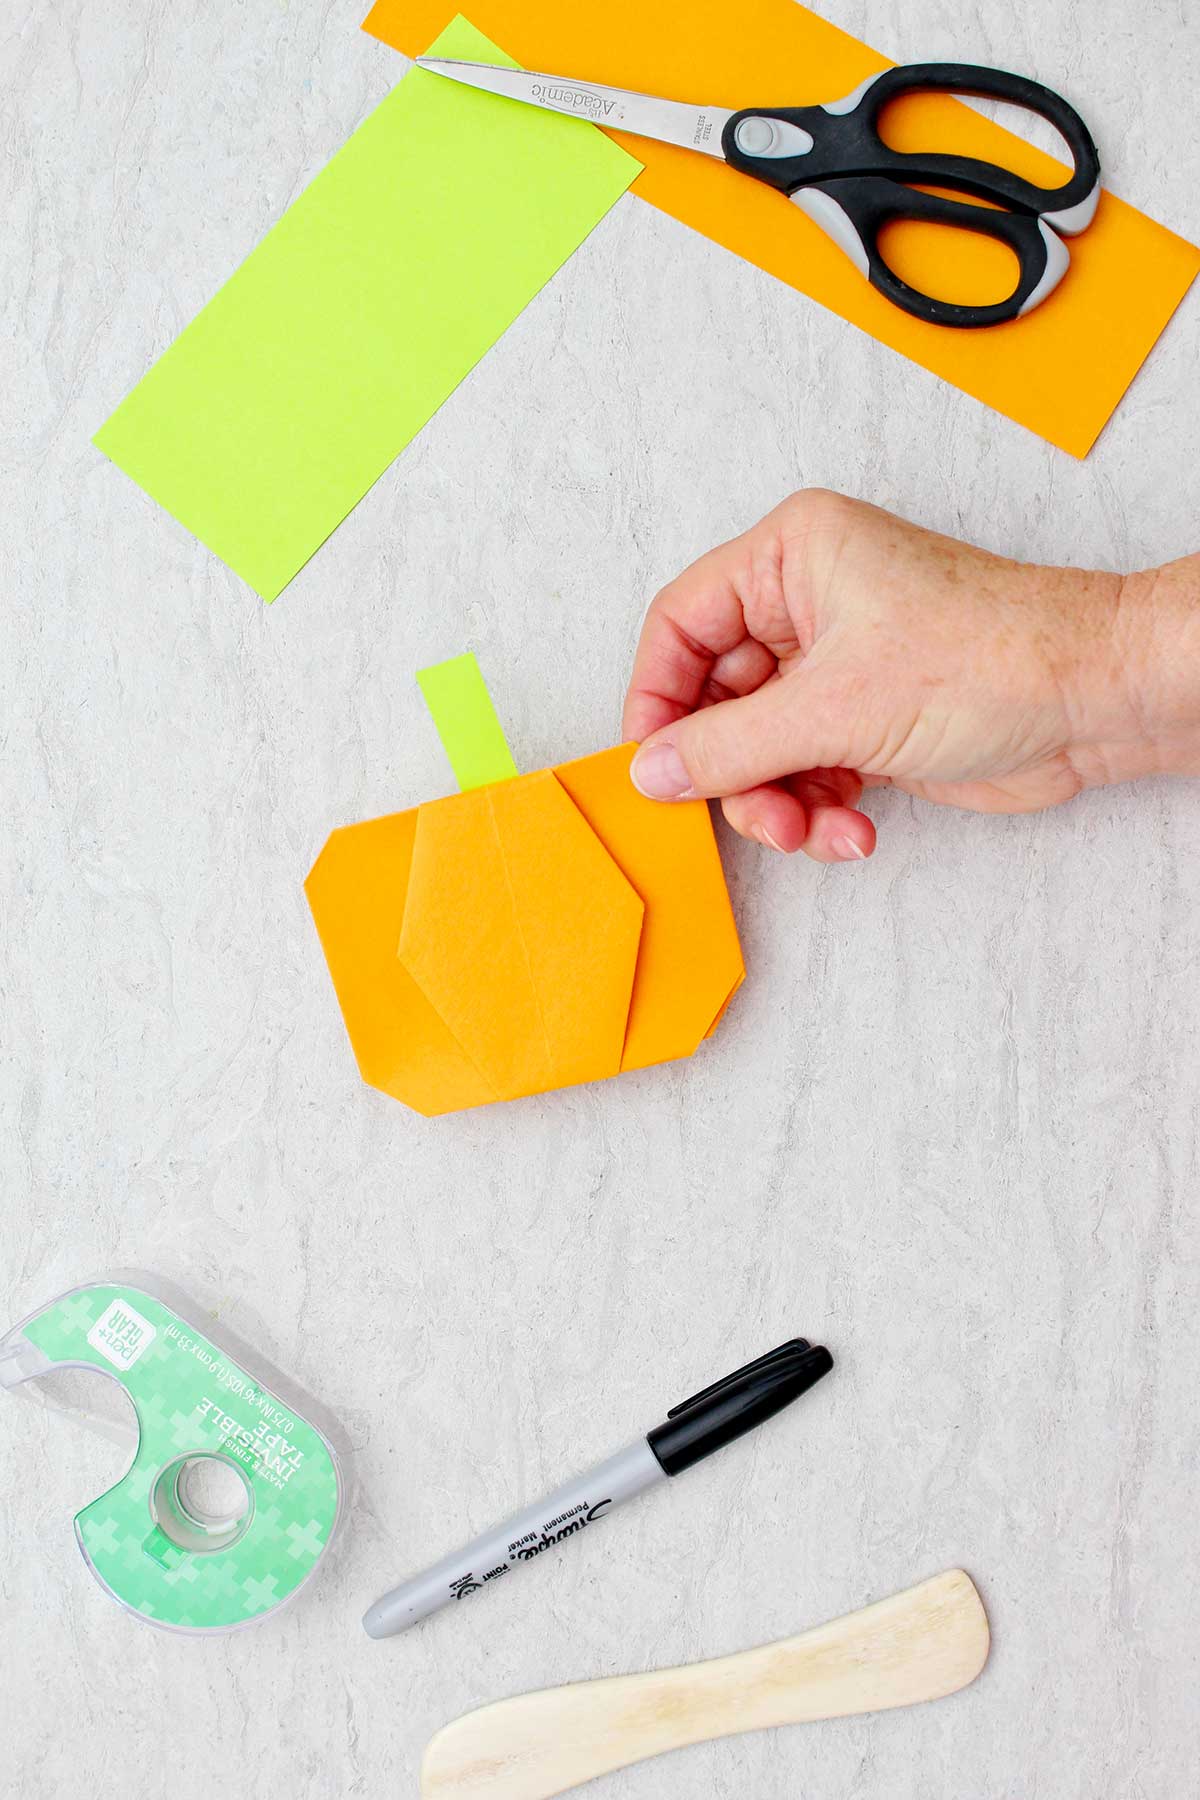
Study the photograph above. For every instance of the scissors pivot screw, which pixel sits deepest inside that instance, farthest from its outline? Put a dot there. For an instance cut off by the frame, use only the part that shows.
(757, 136)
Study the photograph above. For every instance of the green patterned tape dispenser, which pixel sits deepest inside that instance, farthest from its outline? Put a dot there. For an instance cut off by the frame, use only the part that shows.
(232, 1497)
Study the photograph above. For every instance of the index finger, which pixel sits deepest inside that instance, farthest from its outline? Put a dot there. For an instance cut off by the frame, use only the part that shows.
(691, 625)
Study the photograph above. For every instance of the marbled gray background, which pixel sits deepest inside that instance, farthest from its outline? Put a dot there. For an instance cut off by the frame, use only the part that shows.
(949, 1127)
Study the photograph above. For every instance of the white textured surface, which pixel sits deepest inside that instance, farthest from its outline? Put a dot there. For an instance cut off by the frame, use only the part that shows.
(949, 1127)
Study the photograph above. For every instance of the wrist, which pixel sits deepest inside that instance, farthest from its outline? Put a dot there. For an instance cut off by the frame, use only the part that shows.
(1134, 688)
(1156, 648)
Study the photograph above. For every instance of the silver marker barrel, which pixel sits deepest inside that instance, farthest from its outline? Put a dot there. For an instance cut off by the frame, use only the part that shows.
(691, 1431)
(561, 1515)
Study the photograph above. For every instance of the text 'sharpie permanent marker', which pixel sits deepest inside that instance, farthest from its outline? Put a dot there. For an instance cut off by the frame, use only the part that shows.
(691, 1431)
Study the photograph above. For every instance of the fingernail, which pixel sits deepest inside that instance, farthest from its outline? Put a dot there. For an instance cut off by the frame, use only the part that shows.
(847, 850)
(658, 772)
(764, 837)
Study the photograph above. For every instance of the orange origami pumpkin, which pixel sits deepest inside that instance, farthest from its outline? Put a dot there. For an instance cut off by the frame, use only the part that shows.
(528, 933)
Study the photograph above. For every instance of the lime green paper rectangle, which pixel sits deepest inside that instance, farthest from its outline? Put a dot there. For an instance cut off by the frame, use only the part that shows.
(471, 733)
(359, 313)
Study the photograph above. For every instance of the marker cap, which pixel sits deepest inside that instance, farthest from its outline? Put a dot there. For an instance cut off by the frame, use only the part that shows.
(718, 1414)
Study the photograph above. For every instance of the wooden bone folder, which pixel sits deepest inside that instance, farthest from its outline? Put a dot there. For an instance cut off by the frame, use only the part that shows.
(929, 1641)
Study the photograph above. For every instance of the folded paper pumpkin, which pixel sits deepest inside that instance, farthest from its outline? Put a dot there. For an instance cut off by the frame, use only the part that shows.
(529, 933)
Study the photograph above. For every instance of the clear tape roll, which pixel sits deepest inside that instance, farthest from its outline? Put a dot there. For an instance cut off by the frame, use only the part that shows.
(235, 1488)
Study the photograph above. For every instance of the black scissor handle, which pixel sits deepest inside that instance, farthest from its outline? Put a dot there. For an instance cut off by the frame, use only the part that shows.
(992, 180)
(844, 140)
(855, 210)
(833, 163)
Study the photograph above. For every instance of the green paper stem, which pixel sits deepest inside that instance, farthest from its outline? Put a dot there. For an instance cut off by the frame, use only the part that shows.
(467, 723)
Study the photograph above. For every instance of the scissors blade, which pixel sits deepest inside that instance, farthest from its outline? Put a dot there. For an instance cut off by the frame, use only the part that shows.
(671, 122)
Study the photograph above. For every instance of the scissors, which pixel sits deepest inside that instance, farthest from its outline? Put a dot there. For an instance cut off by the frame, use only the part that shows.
(831, 161)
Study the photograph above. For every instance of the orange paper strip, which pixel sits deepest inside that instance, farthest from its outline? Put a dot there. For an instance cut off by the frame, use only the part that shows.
(1060, 371)
(689, 963)
(402, 1044)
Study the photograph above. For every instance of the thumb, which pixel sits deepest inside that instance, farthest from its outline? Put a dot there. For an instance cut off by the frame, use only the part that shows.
(786, 726)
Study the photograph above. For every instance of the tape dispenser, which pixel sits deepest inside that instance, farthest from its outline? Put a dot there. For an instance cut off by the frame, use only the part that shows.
(233, 1495)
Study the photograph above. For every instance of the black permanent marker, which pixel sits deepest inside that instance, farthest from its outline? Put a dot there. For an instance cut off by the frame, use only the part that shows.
(690, 1432)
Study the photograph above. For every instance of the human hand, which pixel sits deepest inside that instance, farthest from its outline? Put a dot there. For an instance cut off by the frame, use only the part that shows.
(833, 646)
